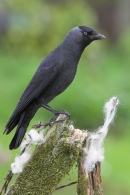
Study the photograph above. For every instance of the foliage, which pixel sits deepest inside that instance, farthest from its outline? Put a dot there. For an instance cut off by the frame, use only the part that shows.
(34, 24)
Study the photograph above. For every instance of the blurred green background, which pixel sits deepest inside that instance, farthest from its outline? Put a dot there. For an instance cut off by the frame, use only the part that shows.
(29, 30)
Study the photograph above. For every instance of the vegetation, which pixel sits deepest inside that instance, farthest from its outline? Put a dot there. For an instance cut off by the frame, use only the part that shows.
(103, 72)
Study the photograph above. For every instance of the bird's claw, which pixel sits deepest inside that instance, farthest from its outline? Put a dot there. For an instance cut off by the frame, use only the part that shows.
(57, 113)
(53, 120)
(66, 113)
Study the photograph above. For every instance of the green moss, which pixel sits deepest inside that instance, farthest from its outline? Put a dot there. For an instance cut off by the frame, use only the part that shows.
(49, 164)
(82, 181)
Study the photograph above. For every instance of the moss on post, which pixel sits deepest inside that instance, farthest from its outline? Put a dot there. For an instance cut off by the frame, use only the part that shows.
(49, 164)
(82, 180)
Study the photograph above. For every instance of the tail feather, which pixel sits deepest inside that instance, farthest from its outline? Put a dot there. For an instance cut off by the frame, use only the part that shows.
(17, 139)
(21, 121)
(10, 127)
(20, 132)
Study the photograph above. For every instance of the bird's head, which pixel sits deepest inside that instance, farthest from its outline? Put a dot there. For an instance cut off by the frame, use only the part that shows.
(85, 35)
(90, 34)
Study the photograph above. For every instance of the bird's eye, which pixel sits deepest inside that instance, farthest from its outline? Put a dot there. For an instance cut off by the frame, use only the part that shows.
(85, 33)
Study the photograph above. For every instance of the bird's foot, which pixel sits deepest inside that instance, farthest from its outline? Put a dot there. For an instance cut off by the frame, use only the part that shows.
(57, 113)
(53, 120)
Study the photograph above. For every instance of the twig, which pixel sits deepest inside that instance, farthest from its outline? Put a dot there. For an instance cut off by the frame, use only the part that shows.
(8, 179)
(37, 126)
(60, 187)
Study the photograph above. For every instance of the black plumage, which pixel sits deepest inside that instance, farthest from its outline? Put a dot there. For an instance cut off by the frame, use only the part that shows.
(52, 77)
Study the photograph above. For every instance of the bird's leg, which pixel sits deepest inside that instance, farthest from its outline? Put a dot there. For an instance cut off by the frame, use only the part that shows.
(57, 113)
(53, 120)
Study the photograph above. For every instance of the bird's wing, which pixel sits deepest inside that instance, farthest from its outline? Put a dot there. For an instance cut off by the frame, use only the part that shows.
(44, 75)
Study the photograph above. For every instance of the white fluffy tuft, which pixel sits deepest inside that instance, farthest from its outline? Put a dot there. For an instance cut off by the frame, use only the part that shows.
(32, 137)
(95, 149)
(17, 166)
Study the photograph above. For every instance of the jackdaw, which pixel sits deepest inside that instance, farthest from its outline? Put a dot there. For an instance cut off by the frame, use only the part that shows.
(53, 76)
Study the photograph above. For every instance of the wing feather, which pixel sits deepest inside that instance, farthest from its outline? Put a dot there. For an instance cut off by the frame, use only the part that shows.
(44, 75)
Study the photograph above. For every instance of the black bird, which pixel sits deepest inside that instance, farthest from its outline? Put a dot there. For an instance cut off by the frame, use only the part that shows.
(53, 76)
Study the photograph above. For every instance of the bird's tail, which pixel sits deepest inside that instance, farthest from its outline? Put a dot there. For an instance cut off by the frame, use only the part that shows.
(22, 123)
(20, 132)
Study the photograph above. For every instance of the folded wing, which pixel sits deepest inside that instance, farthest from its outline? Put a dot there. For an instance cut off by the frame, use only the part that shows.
(44, 75)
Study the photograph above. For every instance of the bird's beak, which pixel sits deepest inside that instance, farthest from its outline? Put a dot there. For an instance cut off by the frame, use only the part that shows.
(97, 36)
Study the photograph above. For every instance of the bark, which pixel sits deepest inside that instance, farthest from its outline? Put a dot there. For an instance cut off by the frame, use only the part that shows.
(89, 183)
